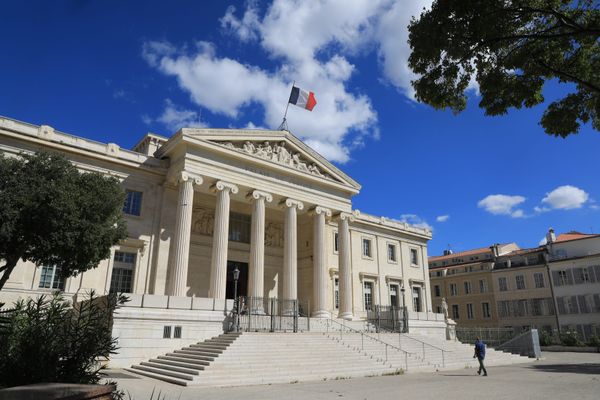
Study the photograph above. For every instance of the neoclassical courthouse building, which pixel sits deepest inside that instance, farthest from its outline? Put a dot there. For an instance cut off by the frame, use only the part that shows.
(206, 201)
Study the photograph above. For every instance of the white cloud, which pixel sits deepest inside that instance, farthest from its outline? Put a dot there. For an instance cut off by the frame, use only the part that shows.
(442, 218)
(565, 197)
(501, 204)
(174, 118)
(415, 220)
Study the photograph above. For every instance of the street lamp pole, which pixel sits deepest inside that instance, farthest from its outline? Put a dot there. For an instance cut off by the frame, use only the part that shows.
(405, 310)
(236, 276)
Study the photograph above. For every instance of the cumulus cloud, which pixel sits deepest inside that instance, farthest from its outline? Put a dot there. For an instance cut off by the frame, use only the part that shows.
(501, 204)
(415, 220)
(565, 197)
(442, 218)
(175, 118)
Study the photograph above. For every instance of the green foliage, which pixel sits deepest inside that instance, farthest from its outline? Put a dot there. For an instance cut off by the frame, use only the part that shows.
(594, 341)
(570, 338)
(54, 215)
(511, 48)
(545, 338)
(47, 340)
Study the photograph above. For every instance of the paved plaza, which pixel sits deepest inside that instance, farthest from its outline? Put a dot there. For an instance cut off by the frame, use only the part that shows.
(556, 376)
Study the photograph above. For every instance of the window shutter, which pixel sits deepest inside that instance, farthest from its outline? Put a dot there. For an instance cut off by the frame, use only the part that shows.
(561, 305)
(583, 308)
(569, 276)
(593, 276)
(597, 302)
(556, 279)
(577, 273)
(574, 304)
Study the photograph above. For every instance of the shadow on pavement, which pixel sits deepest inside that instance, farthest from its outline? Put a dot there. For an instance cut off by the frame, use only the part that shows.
(569, 368)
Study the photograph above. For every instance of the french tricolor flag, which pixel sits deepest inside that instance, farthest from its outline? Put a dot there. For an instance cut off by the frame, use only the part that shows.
(302, 98)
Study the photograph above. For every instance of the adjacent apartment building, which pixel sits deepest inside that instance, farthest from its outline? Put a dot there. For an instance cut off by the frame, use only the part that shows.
(555, 286)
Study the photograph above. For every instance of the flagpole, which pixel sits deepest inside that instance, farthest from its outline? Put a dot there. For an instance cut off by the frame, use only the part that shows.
(283, 125)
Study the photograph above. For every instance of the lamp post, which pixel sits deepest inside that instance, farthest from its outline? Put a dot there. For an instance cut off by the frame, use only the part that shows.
(236, 276)
(404, 311)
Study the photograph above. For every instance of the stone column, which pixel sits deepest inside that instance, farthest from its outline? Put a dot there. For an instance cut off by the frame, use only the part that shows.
(290, 249)
(218, 264)
(256, 281)
(320, 263)
(181, 240)
(344, 266)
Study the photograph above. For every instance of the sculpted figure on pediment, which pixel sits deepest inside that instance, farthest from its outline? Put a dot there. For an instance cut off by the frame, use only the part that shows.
(283, 156)
(313, 169)
(249, 147)
(203, 220)
(274, 234)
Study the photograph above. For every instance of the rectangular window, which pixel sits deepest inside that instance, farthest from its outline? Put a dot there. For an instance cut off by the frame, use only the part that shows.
(437, 291)
(133, 202)
(336, 242)
(562, 277)
(336, 293)
(50, 278)
(585, 277)
(368, 291)
(239, 227)
(503, 284)
(394, 295)
(122, 273)
(483, 287)
(455, 311)
(391, 250)
(485, 308)
(520, 279)
(414, 257)
(504, 308)
(416, 299)
(453, 289)
(467, 287)
(366, 248)
(470, 314)
(538, 277)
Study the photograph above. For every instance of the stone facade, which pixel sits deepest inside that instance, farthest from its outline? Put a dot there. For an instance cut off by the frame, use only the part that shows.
(206, 198)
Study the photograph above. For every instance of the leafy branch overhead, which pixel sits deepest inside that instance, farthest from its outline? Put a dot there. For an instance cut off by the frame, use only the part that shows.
(511, 48)
(52, 214)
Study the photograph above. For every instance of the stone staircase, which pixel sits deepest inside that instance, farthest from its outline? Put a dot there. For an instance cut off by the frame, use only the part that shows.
(250, 358)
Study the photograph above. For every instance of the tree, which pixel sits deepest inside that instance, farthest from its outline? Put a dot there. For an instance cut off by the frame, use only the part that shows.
(51, 214)
(511, 48)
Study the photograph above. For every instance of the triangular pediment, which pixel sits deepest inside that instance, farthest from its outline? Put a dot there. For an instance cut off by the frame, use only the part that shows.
(274, 147)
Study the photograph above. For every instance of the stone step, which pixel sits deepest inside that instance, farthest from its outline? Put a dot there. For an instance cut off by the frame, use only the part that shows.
(185, 360)
(161, 371)
(181, 364)
(170, 379)
(159, 365)
(179, 353)
(199, 352)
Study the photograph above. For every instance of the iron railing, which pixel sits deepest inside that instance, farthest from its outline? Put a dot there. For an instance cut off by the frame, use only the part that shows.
(389, 318)
(255, 314)
(491, 336)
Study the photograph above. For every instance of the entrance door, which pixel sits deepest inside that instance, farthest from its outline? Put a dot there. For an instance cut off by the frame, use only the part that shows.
(242, 286)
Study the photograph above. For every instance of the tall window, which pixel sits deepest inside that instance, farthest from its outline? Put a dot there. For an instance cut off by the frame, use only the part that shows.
(453, 289)
(336, 293)
(585, 276)
(503, 284)
(470, 311)
(239, 227)
(366, 248)
(483, 286)
(485, 308)
(416, 299)
(133, 202)
(562, 277)
(467, 287)
(394, 295)
(504, 308)
(520, 282)
(414, 257)
(538, 277)
(50, 278)
(391, 250)
(122, 273)
(437, 290)
(455, 311)
(336, 242)
(368, 291)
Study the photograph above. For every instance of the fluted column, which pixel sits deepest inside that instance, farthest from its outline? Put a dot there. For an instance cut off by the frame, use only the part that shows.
(181, 240)
(344, 265)
(218, 265)
(290, 249)
(256, 282)
(319, 263)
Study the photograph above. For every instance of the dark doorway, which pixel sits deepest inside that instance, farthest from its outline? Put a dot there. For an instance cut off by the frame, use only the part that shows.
(242, 288)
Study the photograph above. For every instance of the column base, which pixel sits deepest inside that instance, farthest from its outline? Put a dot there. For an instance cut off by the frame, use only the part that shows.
(346, 315)
(321, 314)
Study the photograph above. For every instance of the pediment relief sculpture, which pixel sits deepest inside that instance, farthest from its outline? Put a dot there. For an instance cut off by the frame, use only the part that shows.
(278, 153)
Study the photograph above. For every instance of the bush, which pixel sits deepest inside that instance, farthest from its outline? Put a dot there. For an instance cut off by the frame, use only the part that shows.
(570, 338)
(594, 341)
(47, 340)
(546, 338)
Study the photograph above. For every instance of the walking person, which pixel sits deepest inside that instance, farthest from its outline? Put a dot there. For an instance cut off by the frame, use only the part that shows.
(480, 354)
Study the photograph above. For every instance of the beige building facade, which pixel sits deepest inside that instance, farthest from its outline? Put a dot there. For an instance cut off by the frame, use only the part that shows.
(205, 201)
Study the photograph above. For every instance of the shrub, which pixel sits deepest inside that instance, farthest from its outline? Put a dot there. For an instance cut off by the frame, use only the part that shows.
(570, 338)
(48, 340)
(545, 338)
(594, 341)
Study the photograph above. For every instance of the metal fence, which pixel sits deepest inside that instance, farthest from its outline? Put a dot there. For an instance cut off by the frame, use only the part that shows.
(492, 337)
(256, 314)
(388, 318)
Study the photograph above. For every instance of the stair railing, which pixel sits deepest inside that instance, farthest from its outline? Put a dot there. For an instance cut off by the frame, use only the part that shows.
(424, 345)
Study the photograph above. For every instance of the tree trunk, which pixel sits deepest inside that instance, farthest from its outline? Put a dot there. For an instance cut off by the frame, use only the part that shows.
(11, 262)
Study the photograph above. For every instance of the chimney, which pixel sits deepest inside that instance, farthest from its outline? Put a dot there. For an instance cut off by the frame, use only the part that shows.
(447, 252)
(495, 250)
(550, 236)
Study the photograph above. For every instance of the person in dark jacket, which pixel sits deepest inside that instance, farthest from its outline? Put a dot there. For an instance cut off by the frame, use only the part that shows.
(480, 355)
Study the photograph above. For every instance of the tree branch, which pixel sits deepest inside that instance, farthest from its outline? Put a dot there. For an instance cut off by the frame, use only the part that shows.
(567, 75)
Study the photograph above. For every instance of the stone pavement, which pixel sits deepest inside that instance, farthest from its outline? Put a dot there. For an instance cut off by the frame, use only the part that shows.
(557, 376)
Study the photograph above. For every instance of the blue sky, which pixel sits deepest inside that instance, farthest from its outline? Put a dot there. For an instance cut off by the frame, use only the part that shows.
(113, 70)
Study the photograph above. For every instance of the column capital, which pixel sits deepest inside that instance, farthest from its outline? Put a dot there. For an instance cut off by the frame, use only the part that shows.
(257, 194)
(344, 216)
(221, 185)
(287, 203)
(320, 210)
(185, 176)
